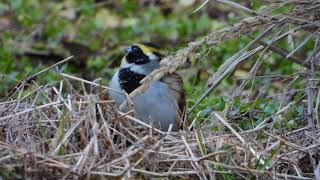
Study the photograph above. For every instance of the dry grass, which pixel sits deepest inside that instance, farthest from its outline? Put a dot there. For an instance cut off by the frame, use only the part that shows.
(70, 130)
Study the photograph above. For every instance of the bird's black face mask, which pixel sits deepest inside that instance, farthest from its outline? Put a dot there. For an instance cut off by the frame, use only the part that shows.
(136, 55)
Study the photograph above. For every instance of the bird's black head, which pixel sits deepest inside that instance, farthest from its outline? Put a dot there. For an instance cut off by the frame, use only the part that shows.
(142, 53)
(136, 55)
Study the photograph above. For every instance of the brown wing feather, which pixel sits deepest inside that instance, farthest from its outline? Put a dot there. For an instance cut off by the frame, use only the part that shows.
(175, 85)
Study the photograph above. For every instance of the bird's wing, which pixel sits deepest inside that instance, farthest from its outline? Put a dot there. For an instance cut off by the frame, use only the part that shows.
(175, 84)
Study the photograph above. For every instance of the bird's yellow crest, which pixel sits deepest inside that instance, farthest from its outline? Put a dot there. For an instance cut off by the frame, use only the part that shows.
(148, 49)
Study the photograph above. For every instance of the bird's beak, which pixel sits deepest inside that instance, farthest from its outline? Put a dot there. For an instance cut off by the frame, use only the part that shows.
(128, 50)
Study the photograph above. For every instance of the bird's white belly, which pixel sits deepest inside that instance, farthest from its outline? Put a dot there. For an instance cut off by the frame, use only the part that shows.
(154, 105)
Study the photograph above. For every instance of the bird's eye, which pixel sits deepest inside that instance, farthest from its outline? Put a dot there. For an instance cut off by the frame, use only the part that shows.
(134, 49)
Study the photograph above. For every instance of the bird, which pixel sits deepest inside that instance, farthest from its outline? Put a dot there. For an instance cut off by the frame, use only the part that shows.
(163, 102)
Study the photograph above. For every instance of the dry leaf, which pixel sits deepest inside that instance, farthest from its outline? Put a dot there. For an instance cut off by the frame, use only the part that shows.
(290, 39)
